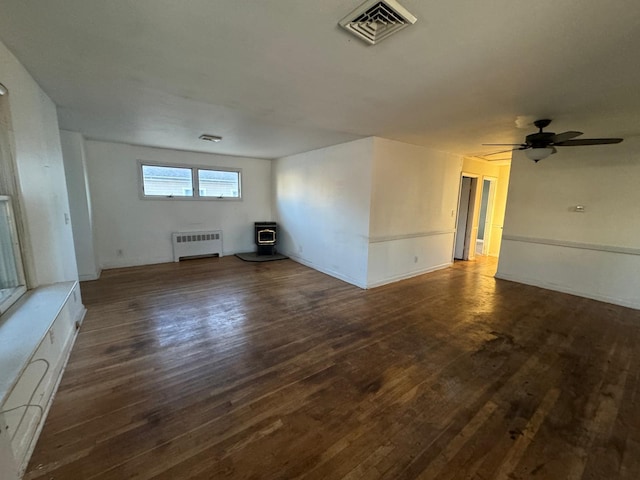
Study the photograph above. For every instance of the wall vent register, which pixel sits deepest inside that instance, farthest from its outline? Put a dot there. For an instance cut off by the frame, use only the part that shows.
(373, 21)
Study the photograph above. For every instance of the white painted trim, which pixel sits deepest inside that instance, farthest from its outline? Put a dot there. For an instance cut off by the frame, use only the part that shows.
(470, 175)
(327, 271)
(150, 261)
(404, 276)
(392, 238)
(563, 289)
(79, 320)
(570, 244)
(124, 263)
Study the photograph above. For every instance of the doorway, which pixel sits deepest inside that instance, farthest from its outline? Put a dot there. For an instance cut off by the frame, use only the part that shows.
(485, 220)
(464, 225)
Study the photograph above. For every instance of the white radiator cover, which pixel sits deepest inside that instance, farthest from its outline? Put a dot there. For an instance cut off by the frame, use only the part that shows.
(193, 244)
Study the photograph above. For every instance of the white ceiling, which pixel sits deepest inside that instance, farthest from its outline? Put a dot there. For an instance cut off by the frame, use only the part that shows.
(275, 77)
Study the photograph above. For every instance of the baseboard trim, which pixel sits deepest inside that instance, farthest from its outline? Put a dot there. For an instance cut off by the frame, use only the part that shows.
(564, 289)
(156, 261)
(327, 271)
(89, 277)
(134, 263)
(404, 276)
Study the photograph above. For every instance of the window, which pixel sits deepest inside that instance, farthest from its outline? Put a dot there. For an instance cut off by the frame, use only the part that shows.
(219, 183)
(167, 181)
(164, 181)
(12, 283)
(12, 277)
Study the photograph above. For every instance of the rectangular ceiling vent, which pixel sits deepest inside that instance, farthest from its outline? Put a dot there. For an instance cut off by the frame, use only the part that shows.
(373, 21)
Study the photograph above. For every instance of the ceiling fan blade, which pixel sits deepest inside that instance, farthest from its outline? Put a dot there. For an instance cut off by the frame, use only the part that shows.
(502, 144)
(588, 141)
(496, 153)
(563, 137)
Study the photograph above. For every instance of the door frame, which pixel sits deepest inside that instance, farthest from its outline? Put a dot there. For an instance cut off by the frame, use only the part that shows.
(471, 231)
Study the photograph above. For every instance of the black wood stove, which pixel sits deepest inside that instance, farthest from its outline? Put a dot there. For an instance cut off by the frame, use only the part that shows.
(266, 235)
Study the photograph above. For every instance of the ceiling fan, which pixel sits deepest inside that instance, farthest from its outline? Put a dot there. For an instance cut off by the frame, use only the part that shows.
(542, 144)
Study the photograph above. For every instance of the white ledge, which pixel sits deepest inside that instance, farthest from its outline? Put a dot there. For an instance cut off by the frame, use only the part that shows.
(570, 244)
(392, 238)
(23, 327)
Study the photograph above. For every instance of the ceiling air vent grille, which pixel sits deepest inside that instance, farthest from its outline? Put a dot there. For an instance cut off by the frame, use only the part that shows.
(373, 21)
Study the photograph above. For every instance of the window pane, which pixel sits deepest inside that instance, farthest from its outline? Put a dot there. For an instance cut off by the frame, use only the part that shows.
(10, 272)
(167, 181)
(219, 183)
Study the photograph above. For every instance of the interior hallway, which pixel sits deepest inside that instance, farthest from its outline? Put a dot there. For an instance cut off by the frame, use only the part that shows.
(217, 368)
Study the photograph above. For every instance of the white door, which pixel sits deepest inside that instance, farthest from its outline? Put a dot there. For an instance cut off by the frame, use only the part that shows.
(463, 215)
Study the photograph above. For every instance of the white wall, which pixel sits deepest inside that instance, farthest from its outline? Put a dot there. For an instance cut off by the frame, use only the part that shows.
(595, 254)
(75, 168)
(141, 228)
(322, 203)
(499, 210)
(41, 179)
(46, 238)
(414, 198)
(370, 212)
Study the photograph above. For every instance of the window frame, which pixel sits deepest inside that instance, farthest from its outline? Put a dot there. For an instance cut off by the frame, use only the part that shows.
(195, 182)
(17, 254)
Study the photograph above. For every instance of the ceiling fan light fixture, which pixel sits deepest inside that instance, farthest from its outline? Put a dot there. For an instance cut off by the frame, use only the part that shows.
(537, 154)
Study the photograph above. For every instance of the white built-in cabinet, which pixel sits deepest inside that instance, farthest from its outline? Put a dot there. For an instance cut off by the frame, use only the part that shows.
(36, 336)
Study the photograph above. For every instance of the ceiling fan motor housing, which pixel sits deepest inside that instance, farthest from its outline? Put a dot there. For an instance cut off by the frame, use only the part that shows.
(543, 123)
(540, 139)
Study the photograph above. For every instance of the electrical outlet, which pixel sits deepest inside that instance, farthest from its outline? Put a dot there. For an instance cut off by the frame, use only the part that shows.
(415, 259)
(119, 252)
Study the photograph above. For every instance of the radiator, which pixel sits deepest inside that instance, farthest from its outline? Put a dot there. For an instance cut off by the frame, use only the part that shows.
(194, 244)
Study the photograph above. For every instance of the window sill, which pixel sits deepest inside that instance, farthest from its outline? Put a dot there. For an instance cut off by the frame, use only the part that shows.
(191, 199)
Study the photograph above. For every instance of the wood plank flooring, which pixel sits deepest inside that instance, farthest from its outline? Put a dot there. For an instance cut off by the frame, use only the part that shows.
(222, 369)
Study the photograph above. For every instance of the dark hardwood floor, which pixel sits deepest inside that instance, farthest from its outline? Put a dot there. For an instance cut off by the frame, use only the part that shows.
(218, 368)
